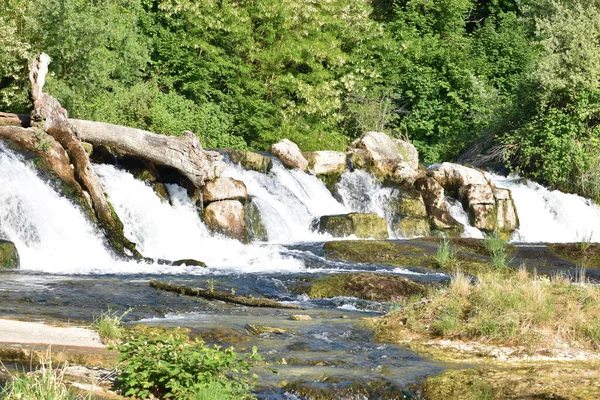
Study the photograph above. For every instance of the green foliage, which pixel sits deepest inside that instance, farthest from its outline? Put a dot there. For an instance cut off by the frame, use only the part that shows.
(108, 325)
(170, 367)
(497, 249)
(446, 255)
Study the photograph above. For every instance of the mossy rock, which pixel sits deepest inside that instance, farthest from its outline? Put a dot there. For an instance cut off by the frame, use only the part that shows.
(411, 227)
(250, 160)
(9, 256)
(331, 388)
(408, 203)
(400, 254)
(362, 225)
(255, 229)
(365, 285)
(161, 190)
(330, 181)
(189, 262)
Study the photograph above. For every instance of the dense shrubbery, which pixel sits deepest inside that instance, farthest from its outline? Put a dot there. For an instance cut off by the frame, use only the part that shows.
(524, 74)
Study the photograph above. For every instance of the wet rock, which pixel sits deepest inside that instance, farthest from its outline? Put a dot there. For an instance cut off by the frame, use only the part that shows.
(431, 191)
(161, 190)
(189, 262)
(408, 203)
(441, 220)
(88, 147)
(451, 175)
(410, 227)
(258, 329)
(362, 225)
(224, 189)
(389, 159)
(330, 388)
(250, 160)
(326, 162)
(300, 317)
(9, 256)
(255, 229)
(367, 286)
(507, 219)
(290, 155)
(226, 217)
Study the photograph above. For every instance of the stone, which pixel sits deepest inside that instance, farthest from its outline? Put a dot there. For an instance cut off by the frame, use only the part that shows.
(451, 175)
(440, 219)
(476, 194)
(411, 227)
(507, 219)
(9, 256)
(431, 191)
(224, 189)
(300, 317)
(255, 229)
(250, 160)
(190, 262)
(326, 162)
(88, 147)
(484, 216)
(161, 190)
(362, 225)
(259, 329)
(389, 159)
(408, 203)
(290, 155)
(226, 217)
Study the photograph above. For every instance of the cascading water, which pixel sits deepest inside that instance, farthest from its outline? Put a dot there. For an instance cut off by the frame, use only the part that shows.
(50, 233)
(456, 210)
(550, 215)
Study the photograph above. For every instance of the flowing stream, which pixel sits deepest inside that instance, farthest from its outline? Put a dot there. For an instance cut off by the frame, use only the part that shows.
(67, 271)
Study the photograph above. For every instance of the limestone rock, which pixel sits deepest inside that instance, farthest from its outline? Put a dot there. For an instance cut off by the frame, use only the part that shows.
(326, 162)
(226, 217)
(300, 317)
(9, 256)
(411, 227)
(88, 147)
(161, 190)
(362, 225)
(408, 203)
(250, 160)
(389, 159)
(431, 191)
(507, 219)
(476, 194)
(290, 155)
(451, 175)
(224, 189)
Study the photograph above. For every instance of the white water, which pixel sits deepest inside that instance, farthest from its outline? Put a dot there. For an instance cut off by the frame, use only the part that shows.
(457, 212)
(550, 215)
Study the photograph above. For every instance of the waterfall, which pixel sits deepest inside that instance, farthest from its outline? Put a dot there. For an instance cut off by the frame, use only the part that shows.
(50, 233)
(289, 201)
(456, 210)
(550, 215)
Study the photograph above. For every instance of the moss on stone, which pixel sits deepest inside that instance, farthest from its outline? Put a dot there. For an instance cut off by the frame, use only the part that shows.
(331, 388)
(255, 229)
(410, 227)
(161, 190)
(9, 256)
(368, 286)
(360, 224)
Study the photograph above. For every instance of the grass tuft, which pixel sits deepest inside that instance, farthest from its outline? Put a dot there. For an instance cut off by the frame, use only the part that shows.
(446, 255)
(109, 325)
(498, 250)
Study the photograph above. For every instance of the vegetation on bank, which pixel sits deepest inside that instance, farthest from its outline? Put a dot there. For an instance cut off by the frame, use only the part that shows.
(519, 78)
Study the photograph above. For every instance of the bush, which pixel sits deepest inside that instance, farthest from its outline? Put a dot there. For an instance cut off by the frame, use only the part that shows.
(172, 367)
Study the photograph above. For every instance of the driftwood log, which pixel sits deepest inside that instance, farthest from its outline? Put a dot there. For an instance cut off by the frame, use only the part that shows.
(214, 295)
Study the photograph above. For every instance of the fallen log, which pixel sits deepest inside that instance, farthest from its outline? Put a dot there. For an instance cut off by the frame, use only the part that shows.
(48, 115)
(183, 153)
(214, 295)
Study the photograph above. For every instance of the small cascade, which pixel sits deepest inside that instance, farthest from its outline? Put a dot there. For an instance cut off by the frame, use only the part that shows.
(360, 191)
(550, 215)
(175, 231)
(50, 233)
(289, 201)
(456, 210)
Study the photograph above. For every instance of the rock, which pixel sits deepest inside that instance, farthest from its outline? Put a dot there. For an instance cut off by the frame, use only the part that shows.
(408, 203)
(389, 159)
(226, 217)
(507, 219)
(9, 256)
(255, 229)
(258, 329)
(250, 160)
(88, 147)
(441, 220)
(326, 162)
(454, 176)
(476, 194)
(431, 191)
(161, 190)
(358, 224)
(224, 189)
(410, 227)
(189, 262)
(483, 216)
(300, 317)
(364, 285)
(290, 155)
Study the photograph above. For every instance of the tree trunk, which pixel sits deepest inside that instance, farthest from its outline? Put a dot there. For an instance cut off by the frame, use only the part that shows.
(183, 153)
(50, 116)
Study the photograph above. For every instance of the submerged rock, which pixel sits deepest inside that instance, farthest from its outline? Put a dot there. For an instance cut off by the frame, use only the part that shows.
(290, 155)
(365, 285)
(255, 229)
(226, 217)
(224, 189)
(250, 160)
(362, 225)
(189, 262)
(9, 256)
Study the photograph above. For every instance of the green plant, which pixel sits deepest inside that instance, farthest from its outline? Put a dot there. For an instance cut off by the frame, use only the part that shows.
(497, 249)
(42, 142)
(446, 255)
(44, 383)
(170, 366)
(585, 241)
(108, 325)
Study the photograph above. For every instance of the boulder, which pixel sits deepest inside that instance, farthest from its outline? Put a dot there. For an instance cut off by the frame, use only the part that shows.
(411, 227)
(226, 217)
(408, 203)
(362, 225)
(431, 191)
(255, 229)
(326, 162)
(454, 176)
(88, 147)
(9, 256)
(441, 220)
(224, 189)
(389, 159)
(189, 262)
(290, 155)
(476, 194)
(250, 160)
(161, 190)
(507, 219)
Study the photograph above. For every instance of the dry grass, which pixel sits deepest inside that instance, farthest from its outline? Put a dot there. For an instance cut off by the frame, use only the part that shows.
(518, 309)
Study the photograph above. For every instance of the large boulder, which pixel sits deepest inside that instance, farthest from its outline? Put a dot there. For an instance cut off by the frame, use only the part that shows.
(389, 159)
(326, 162)
(224, 189)
(9, 256)
(407, 203)
(290, 155)
(507, 219)
(411, 227)
(451, 175)
(250, 160)
(226, 217)
(362, 225)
